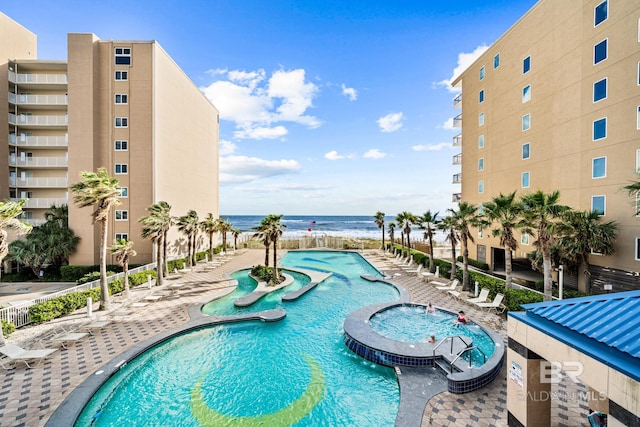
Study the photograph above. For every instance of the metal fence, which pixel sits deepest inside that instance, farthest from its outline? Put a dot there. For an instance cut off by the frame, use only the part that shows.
(313, 242)
(19, 313)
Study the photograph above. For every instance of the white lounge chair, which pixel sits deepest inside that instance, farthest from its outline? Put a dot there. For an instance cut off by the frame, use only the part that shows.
(415, 270)
(493, 305)
(450, 287)
(484, 294)
(15, 354)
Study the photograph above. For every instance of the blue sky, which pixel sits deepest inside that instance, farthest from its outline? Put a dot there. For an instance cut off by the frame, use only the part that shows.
(327, 107)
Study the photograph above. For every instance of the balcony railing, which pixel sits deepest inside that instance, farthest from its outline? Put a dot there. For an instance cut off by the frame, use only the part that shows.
(457, 121)
(32, 221)
(24, 119)
(38, 182)
(38, 141)
(457, 159)
(37, 78)
(38, 99)
(457, 140)
(43, 202)
(456, 197)
(457, 178)
(457, 101)
(38, 161)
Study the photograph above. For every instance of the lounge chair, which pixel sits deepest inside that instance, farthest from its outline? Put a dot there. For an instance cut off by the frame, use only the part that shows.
(415, 270)
(484, 294)
(17, 354)
(450, 287)
(461, 295)
(61, 335)
(493, 305)
(95, 325)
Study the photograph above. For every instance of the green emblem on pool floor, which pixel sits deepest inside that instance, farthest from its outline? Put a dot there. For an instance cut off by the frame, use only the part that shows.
(282, 418)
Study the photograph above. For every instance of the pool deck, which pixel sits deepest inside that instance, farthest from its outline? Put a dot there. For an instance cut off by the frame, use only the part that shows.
(28, 397)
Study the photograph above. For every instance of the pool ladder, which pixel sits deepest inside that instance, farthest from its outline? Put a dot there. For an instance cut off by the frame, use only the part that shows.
(468, 347)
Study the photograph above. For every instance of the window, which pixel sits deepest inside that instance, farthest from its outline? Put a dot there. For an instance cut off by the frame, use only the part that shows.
(480, 186)
(599, 167)
(121, 98)
(481, 141)
(600, 129)
(526, 93)
(123, 56)
(526, 122)
(600, 13)
(124, 192)
(121, 145)
(526, 65)
(481, 164)
(122, 75)
(637, 161)
(122, 236)
(480, 208)
(481, 73)
(121, 169)
(524, 180)
(638, 74)
(600, 90)
(524, 238)
(526, 150)
(481, 119)
(600, 52)
(496, 61)
(122, 122)
(638, 118)
(598, 204)
(481, 96)
(122, 215)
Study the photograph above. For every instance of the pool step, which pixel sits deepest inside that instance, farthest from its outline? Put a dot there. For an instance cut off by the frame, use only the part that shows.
(444, 366)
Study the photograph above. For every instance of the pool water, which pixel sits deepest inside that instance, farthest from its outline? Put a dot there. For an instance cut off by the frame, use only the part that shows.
(293, 372)
(411, 323)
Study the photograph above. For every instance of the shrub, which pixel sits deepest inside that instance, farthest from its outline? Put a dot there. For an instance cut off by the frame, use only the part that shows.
(72, 273)
(90, 277)
(8, 328)
(477, 264)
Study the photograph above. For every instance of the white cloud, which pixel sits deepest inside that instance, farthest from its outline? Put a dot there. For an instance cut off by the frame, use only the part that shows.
(448, 125)
(391, 122)
(464, 61)
(275, 188)
(260, 105)
(333, 155)
(226, 147)
(374, 153)
(431, 147)
(247, 169)
(350, 92)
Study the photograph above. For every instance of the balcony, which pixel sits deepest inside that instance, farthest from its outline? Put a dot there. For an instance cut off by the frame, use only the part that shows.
(37, 78)
(457, 101)
(38, 182)
(457, 178)
(39, 162)
(457, 140)
(39, 141)
(456, 197)
(39, 100)
(457, 159)
(43, 202)
(33, 222)
(457, 121)
(25, 120)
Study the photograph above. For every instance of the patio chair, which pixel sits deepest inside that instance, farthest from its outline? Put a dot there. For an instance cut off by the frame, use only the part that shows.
(61, 335)
(450, 287)
(15, 354)
(493, 305)
(415, 270)
(484, 294)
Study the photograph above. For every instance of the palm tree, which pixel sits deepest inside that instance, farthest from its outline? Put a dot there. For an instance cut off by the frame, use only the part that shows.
(188, 225)
(392, 230)
(101, 191)
(428, 222)
(224, 226)
(155, 227)
(379, 218)
(405, 221)
(448, 226)
(634, 190)
(463, 219)
(123, 250)
(540, 211)
(506, 212)
(274, 230)
(209, 225)
(235, 232)
(261, 233)
(9, 213)
(583, 233)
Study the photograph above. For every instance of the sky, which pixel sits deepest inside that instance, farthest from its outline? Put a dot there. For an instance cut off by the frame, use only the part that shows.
(327, 107)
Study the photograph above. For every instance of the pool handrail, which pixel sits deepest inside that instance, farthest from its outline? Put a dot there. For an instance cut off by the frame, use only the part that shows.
(462, 352)
(466, 344)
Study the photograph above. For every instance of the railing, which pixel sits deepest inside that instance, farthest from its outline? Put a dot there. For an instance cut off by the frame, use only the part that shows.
(457, 121)
(38, 182)
(457, 140)
(456, 197)
(457, 178)
(37, 78)
(24, 119)
(457, 159)
(33, 221)
(455, 359)
(457, 101)
(38, 161)
(19, 314)
(39, 141)
(43, 202)
(38, 99)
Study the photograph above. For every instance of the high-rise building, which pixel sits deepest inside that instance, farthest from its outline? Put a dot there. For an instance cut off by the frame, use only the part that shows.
(554, 104)
(120, 105)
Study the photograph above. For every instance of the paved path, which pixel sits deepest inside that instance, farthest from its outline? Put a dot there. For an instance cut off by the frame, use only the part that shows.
(28, 397)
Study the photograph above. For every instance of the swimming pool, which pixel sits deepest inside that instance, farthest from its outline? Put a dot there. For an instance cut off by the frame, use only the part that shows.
(293, 372)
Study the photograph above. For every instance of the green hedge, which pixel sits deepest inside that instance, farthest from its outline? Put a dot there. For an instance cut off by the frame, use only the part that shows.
(69, 303)
(8, 328)
(90, 277)
(73, 273)
(477, 264)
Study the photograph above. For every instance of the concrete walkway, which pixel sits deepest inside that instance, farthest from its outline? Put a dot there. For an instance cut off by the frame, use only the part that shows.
(28, 397)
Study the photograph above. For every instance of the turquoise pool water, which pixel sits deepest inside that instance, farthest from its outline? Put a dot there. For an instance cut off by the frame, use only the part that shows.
(293, 372)
(410, 323)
